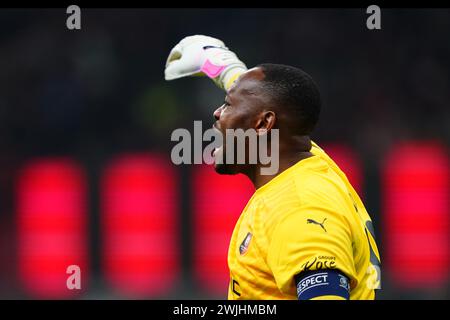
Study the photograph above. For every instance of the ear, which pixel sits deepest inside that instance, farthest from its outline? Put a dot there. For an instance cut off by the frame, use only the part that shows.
(265, 122)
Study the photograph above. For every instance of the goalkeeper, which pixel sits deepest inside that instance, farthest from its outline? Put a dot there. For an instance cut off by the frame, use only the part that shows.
(304, 234)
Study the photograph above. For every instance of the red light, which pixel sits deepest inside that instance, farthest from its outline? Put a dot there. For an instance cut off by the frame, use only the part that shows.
(51, 221)
(139, 207)
(218, 202)
(348, 161)
(416, 214)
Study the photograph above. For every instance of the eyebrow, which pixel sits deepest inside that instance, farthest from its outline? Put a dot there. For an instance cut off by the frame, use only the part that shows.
(228, 96)
(249, 92)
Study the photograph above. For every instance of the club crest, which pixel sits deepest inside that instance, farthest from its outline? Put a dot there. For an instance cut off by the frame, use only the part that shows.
(244, 245)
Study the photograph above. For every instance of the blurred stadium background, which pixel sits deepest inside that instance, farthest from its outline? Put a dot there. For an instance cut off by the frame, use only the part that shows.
(85, 124)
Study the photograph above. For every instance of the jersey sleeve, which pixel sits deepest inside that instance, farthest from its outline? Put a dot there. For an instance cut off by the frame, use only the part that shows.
(311, 238)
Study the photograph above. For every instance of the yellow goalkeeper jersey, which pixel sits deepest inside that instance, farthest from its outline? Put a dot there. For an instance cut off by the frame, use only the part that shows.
(307, 218)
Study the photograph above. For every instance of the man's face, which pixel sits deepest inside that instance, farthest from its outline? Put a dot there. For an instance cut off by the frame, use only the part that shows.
(242, 105)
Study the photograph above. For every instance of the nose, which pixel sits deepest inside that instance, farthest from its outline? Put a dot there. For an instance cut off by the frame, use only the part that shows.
(217, 113)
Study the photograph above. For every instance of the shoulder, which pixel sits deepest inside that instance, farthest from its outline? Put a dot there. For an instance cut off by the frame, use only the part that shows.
(318, 185)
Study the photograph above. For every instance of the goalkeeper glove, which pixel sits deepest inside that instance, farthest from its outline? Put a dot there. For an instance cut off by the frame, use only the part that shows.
(202, 55)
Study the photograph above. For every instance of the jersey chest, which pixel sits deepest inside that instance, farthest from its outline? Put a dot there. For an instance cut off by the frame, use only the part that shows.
(250, 277)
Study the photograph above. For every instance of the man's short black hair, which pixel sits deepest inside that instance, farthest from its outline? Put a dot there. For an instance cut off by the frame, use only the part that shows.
(292, 88)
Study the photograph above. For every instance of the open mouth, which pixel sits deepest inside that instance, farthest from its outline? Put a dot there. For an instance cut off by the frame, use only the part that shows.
(217, 149)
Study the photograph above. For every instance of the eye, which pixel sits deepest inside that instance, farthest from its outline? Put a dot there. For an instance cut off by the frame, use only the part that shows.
(225, 103)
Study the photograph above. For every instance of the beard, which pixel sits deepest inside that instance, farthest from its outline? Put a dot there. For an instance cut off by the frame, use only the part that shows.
(226, 169)
(220, 165)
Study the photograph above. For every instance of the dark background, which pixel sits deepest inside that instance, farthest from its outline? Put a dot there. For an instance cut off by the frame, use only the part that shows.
(99, 92)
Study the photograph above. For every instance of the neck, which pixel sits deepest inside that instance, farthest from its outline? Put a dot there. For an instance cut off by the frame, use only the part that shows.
(297, 149)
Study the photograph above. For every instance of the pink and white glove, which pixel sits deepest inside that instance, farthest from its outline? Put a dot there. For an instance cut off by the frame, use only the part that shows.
(202, 55)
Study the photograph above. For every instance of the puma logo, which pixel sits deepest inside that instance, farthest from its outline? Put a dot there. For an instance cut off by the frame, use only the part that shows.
(318, 223)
